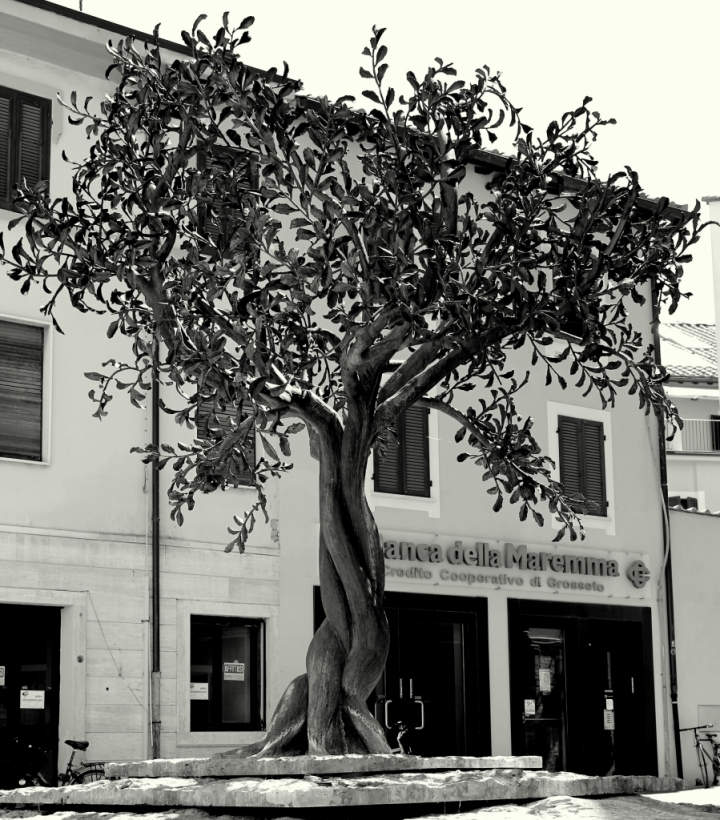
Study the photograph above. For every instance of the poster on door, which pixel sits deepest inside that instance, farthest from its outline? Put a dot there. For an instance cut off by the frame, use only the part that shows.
(234, 671)
(199, 691)
(32, 698)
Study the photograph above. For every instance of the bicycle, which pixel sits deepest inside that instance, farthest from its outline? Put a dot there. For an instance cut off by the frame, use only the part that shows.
(704, 756)
(86, 773)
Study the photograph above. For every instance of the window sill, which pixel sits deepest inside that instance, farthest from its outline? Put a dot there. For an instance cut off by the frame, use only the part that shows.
(217, 738)
(29, 461)
(431, 505)
(592, 522)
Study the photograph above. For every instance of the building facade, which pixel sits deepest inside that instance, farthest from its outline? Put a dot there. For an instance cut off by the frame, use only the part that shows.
(504, 642)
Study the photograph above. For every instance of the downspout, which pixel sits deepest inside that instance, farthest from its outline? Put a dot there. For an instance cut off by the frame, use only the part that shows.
(669, 596)
(155, 535)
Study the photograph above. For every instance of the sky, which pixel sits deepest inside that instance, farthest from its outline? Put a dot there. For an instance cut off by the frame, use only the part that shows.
(653, 67)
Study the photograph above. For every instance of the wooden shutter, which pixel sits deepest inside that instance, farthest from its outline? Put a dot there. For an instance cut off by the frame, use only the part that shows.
(31, 143)
(404, 469)
(582, 462)
(212, 423)
(21, 376)
(5, 146)
(416, 452)
(217, 225)
(388, 476)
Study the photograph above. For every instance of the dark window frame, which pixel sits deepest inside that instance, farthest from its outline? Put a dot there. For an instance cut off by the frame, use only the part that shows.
(578, 480)
(28, 397)
(45, 105)
(402, 483)
(257, 673)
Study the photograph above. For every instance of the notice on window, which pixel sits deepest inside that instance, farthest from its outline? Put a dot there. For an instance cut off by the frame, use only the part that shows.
(544, 682)
(234, 671)
(529, 707)
(199, 691)
(32, 698)
(2, 676)
(608, 719)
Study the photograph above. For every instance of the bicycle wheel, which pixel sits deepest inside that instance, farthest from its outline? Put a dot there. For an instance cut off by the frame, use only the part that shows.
(703, 768)
(89, 774)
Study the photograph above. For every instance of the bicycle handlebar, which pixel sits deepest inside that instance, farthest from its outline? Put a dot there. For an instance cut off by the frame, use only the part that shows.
(694, 728)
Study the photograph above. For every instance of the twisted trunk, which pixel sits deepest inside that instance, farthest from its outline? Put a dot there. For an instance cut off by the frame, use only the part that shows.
(325, 710)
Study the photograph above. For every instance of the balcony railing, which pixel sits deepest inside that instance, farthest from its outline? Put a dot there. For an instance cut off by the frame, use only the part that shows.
(697, 436)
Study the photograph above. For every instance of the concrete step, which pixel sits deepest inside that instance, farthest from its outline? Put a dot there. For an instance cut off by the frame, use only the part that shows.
(229, 765)
(314, 792)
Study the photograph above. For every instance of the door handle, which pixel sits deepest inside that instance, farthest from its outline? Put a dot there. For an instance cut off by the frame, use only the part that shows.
(387, 713)
(422, 713)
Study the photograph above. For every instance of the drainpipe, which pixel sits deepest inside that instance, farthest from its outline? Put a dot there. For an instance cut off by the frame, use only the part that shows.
(669, 597)
(155, 491)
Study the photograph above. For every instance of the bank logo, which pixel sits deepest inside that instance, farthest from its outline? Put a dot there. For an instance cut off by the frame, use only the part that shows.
(638, 574)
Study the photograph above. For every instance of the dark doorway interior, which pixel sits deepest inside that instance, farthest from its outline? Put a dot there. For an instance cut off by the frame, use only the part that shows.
(30, 696)
(581, 687)
(434, 692)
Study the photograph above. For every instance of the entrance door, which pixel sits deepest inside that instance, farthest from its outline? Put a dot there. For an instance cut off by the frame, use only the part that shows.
(581, 687)
(433, 697)
(29, 686)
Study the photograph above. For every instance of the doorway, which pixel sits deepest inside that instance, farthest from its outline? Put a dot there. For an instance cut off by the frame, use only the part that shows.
(433, 696)
(29, 686)
(581, 678)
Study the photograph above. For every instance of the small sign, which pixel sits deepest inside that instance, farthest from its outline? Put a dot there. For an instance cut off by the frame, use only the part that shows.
(545, 686)
(234, 671)
(608, 719)
(199, 691)
(2, 676)
(32, 698)
(529, 707)
(609, 704)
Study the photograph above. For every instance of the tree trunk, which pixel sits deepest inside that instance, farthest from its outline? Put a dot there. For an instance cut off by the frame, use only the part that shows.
(325, 710)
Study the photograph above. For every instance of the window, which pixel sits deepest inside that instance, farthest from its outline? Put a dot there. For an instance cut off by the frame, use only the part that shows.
(24, 141)
(582, 462)
(226, 671)
(213, 423)
(21, 390)
(227, 194)
(404, 468)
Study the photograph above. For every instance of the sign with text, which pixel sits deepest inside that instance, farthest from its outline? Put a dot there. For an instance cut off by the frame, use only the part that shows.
(199, 691)
(511, 566)
(32, 698)
(234, 671)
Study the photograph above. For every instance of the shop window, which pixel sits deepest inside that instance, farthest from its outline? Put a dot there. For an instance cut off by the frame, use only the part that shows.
(582, 463)
(215, 423)
(24, 142)
(21, 390)
(226, 656)
(404, 466)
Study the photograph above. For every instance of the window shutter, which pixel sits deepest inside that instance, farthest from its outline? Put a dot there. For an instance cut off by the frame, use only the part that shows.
(217, 225)
(404, 469)
(21, 373)
(31, 152)
(594, 453)
(388, 478)
(212, 422)
(5, 146)
(582, 462)
(416, 452)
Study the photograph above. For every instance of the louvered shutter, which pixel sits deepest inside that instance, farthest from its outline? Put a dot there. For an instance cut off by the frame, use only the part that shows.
(21, 375)
(217, 222)
(582, 462)
(5, 147)
(594, 457)
(416, 452)
(212, 422)
(31, 143)
(404, 468)
(388, 476)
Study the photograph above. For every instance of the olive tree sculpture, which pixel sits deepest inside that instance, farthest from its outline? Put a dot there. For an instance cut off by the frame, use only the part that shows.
(293, 262)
